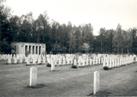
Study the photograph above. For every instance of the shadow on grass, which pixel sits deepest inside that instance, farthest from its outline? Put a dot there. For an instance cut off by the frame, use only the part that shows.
(56, 70)
(37, 86)
(100, 94)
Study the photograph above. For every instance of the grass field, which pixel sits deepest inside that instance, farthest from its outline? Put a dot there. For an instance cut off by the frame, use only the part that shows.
(65, 81)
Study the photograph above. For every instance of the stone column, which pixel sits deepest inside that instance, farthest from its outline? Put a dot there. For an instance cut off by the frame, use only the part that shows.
(34, 49)
(38, 50)
(31, 49)
(24, 49)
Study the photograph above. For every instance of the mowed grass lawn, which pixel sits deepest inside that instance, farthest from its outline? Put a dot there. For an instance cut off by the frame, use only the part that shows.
(65, 81)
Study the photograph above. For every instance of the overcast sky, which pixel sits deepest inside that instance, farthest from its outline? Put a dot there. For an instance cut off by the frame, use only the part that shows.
(100, 13)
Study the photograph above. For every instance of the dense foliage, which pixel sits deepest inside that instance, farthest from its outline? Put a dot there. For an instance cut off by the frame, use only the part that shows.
(63, 38)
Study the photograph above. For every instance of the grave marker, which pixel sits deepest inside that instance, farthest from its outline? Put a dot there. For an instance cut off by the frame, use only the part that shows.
(52, 66)
(33, 76)
(96, 83)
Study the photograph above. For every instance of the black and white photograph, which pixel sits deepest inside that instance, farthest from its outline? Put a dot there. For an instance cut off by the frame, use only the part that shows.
(68, 48)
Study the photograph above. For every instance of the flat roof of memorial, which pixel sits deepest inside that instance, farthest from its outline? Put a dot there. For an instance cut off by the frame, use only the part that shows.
(27, 43)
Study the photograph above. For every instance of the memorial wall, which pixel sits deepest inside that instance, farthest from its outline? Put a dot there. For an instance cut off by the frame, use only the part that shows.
(28, 48)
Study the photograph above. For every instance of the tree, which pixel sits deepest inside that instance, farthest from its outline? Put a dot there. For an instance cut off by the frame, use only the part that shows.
(102, 38)
(15, 27)
(5, 35)
(25, 26)
(118, 39)
(122, 40)
(41, 27)
(87, 35)
(134, 40)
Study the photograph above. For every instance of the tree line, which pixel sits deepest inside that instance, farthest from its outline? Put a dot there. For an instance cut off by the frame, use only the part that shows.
(63, 38)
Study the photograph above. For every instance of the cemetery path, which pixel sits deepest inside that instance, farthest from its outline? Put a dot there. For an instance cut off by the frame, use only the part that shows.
(65, 81)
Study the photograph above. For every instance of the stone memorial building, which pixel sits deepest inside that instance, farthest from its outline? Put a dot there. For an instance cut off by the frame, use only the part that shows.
(28, 48)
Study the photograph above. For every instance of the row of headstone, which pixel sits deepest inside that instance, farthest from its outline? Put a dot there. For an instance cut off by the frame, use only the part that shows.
(118, 60)
(60, 59)
(88, 61)
(80, 60)
(5, 56)
(20, 58)
(35, 59)
(12, 59)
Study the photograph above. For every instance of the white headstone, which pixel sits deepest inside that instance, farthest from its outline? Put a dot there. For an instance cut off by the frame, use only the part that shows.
(27, 60)
(33, 76)
(52, 66)
(14, 60)
(96, 83)
(9, 61)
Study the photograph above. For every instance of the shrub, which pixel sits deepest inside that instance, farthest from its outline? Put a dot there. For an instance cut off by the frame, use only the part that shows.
(74, 66)
(106, 68)
(48, 65)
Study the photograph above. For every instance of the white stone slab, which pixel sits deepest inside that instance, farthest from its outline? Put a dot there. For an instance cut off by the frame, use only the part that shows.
(33, 76)
(96, 82)
(52, 66)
